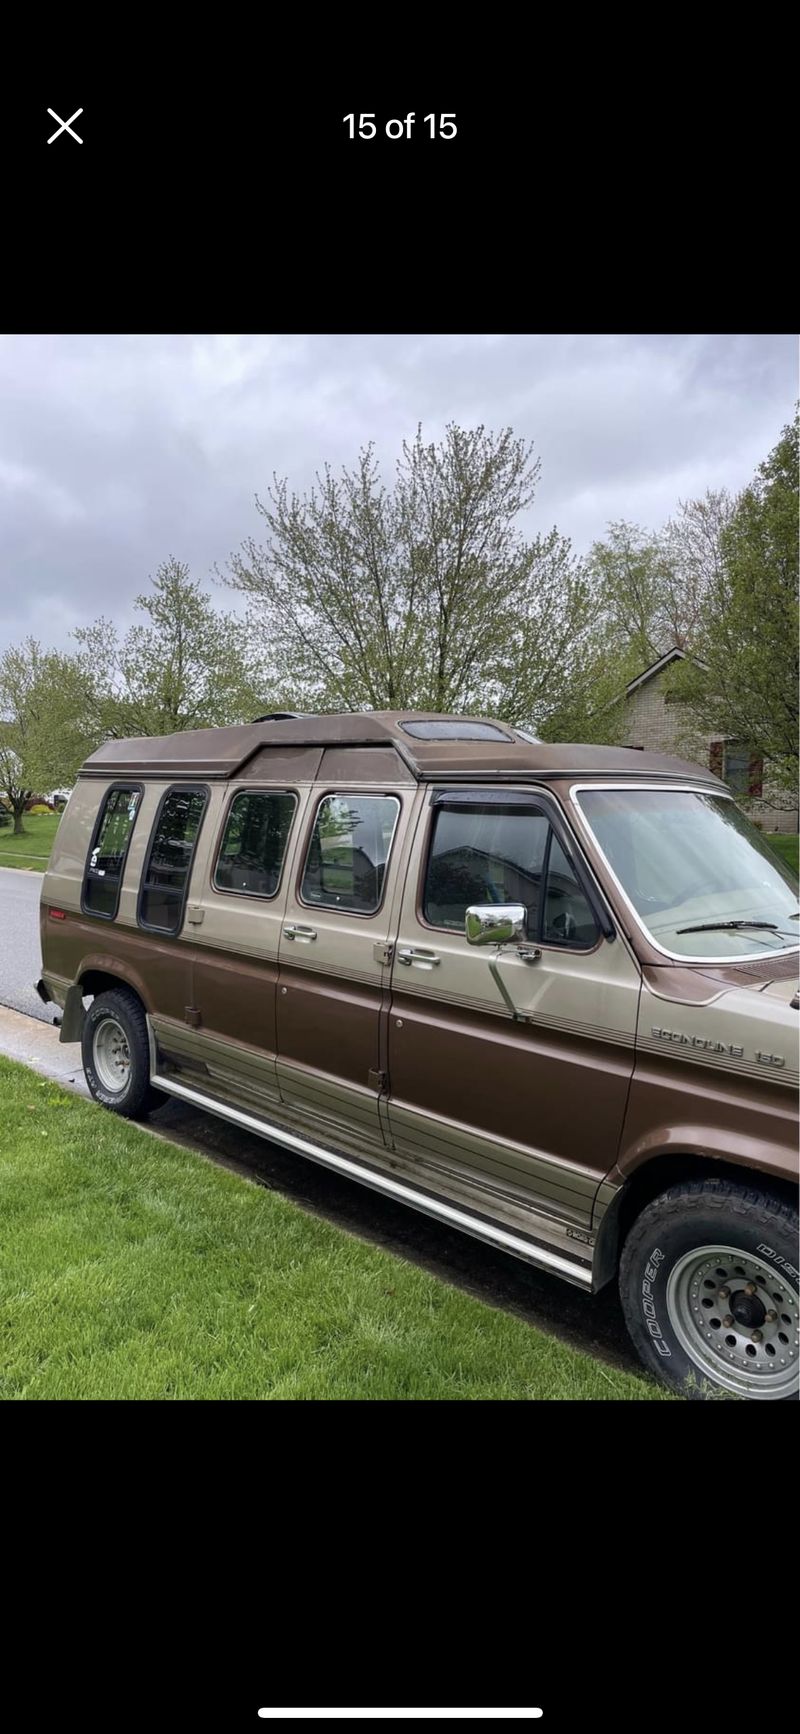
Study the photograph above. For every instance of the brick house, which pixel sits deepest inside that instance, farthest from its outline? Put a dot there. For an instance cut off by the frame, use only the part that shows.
(656, 722)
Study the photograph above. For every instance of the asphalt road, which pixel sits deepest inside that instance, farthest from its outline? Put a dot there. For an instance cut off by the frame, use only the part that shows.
(595, 1325)
(20, 952)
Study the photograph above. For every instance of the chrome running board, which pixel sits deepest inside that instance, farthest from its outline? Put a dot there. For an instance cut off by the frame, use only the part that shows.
(450, 1214)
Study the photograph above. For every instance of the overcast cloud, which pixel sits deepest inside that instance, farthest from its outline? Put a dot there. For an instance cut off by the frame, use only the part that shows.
(116, 452)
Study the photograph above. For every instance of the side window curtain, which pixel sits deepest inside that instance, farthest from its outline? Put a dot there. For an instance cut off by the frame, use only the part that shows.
(108, 852)
(165, 880)
(349, 852)
(253, 846)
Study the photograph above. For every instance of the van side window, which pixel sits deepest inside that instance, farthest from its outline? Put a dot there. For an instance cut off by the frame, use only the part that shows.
(485, 855)
(568, 920)
(169, 859)
(348, 852)
(254, 843)
(106, 862)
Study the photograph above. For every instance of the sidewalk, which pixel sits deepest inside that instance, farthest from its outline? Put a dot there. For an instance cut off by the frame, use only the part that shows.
(36, 1044)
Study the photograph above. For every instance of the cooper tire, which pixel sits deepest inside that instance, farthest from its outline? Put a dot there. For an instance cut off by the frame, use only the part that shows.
(116, 1055)
(709, 1288)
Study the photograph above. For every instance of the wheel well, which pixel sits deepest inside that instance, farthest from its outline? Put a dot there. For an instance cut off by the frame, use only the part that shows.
(654, 1177)
(97, 981)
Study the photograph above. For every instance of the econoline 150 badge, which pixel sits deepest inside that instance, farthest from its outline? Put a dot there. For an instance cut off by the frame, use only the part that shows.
(707, 1045)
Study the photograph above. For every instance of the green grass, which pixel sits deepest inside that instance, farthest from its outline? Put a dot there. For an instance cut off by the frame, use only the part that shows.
(131, 1268)
(785, 845)
(31, 851)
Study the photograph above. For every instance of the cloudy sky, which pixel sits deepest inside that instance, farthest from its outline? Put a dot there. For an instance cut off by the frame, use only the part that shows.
(116, 452)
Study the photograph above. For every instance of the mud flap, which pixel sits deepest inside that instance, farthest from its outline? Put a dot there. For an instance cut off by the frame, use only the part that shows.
(74, 1014)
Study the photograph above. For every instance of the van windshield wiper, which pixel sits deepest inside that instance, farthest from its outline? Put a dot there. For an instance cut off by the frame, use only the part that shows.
(717, 926)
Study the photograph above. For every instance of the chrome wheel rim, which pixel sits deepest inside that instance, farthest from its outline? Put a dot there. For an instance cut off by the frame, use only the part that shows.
(112, 1056)
(738, 1321)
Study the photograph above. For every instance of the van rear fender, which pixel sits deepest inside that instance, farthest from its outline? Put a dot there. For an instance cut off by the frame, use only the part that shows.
(98, 973)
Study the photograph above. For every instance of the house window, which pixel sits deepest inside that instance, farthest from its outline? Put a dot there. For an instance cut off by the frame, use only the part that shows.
(742, 769)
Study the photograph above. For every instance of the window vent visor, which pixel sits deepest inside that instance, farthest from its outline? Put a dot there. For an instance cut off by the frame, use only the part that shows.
(509, 800)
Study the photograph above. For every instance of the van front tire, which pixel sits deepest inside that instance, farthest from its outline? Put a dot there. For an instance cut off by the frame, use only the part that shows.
(709, 1288)
(116, 1055)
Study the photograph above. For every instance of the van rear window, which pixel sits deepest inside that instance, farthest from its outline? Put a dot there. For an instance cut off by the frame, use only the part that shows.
(165, 879)
(109, 847)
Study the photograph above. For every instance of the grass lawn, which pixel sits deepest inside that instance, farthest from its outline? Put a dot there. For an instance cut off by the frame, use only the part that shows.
(30, 851)
(132, 1268)
(784, 844)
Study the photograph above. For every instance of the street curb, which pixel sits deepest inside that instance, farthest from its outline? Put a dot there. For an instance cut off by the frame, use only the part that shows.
(37, 1045)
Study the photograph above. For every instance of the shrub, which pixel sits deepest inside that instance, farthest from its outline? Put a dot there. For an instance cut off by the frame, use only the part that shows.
(38, 807)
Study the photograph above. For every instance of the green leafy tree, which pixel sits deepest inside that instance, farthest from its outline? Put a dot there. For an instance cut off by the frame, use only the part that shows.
(425, 595)
(692, 554)
(189, 666)
(629, 571)
(43, 736)
(745, 682)
(655, 585)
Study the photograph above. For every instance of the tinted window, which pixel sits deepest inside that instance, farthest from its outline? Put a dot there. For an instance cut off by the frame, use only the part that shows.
(488, 856)
(348, 852)
(106, 862)
(484, 856)
(568, 920)
(254, 843)
(455, 731)
(169, 859)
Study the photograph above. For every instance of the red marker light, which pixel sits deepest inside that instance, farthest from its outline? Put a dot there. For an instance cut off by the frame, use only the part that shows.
(58, 915)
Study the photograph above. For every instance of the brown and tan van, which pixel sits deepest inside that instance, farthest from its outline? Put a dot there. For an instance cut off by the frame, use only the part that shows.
(546, 994)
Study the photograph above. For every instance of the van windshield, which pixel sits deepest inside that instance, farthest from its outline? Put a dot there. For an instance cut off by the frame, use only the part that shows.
(692, 861)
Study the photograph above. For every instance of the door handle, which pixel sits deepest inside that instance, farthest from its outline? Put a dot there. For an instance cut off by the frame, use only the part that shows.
(294, 930)
(418, 954)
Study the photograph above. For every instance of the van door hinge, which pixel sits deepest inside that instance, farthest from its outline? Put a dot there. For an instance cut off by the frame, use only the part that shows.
(192, 1016)
(195, 914)
(383, 953)
(378, 1081)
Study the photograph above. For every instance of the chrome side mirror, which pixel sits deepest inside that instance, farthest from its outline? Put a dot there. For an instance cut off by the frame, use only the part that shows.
(495, 924)
(501, 924)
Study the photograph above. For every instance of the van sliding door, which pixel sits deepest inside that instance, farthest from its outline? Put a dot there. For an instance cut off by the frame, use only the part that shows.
(235, 918)
(335, 954)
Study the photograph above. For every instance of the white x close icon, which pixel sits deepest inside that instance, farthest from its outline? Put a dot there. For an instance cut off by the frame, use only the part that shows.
(65, 125)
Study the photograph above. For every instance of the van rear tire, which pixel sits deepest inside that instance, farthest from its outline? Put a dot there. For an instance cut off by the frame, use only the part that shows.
(116, 1055)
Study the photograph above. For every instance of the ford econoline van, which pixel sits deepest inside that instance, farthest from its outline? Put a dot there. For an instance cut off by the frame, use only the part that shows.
(546, 994)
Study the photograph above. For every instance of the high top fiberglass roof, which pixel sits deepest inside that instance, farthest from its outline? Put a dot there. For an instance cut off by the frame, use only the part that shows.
(430, 746)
